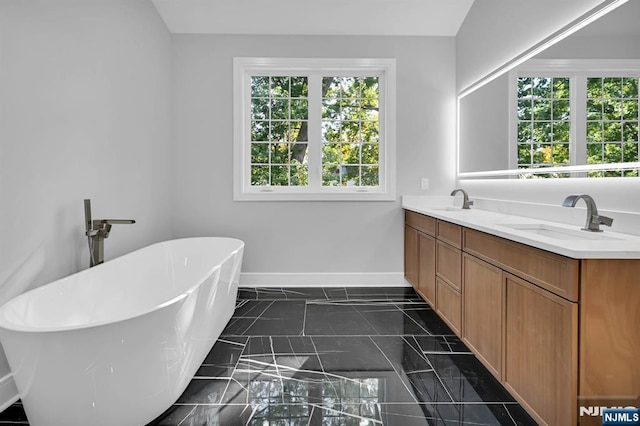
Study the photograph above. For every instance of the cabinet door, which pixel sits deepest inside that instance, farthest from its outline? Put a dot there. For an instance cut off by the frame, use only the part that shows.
(427, 268)
(449, 305)
(541, 361)
(411, 255)
(483, 293)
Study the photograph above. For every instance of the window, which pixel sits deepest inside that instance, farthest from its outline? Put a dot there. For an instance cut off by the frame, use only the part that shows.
(576, 113)
(314, 129)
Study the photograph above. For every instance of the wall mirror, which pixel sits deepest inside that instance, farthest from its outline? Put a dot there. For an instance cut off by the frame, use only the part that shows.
(522, 122)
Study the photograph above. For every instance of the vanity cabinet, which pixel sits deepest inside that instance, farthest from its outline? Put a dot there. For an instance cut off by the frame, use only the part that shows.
(449, 274)
(420, 254)
(559, 333)
(484, 293)
(541, 351)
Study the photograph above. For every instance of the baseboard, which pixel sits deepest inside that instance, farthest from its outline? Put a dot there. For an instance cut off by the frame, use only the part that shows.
(8, 392)
(323, 279)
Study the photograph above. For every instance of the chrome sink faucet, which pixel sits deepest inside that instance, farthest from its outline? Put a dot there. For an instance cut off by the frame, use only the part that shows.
(594, 220)
(96, 231)
(466, 204)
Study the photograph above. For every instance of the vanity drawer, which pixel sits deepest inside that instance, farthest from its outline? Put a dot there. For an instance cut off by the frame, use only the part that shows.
(449, 305)
(450, 232)
(449, 264)
(420, 222)
(553, 272)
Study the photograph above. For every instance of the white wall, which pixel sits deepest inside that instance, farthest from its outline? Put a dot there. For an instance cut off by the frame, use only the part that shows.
(307, 237)
(84, 113)
(496, 31)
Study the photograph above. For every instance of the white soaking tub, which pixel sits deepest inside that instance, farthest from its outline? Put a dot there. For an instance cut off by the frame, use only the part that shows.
(117, 344)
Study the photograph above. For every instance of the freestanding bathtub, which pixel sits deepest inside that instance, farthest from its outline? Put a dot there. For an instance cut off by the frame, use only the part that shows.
(117, 344)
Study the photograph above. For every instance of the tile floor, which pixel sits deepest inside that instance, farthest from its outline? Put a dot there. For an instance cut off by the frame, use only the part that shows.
(337, 356)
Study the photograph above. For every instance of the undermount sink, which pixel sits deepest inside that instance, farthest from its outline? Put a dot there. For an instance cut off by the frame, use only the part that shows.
(448, 208)
(557, 232)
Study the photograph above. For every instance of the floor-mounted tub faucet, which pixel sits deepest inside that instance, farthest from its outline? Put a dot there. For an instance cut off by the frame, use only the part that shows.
(594, 220)
(466, 204)
(96, 231)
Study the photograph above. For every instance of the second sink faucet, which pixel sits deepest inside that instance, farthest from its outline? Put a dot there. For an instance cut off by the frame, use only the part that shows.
(594, 220)
(466, 204)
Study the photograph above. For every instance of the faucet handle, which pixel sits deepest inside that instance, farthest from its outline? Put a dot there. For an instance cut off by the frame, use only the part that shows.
(603, 220)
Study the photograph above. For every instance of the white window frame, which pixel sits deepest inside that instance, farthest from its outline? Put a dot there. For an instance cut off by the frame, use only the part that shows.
(244, 68)
(577, 70)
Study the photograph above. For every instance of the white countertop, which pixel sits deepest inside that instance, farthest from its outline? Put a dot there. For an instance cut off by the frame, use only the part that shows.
(559, 238)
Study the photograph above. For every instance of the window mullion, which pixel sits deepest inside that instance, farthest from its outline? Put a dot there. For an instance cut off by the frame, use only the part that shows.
(579, 120)
(315, 131)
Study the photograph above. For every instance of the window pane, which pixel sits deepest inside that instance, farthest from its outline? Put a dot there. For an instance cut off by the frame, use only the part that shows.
(630, 88)
(370, 154)
(259, 86)
(594, 131)
(299, 175)
(350, 115)
(279, 87)
(594, 88)
(630, 152)
(594, 109)
(299, 87)
(330, 176)
(617, 124)
(331, 154)
(260, 108)
(259, 130)
(280, 175)
(259, 175)
(298, 131)
(543, 121)
(279, 113)
(279, 109)
(259, 153)
(299, 109)
(370, 176)
(612, 87)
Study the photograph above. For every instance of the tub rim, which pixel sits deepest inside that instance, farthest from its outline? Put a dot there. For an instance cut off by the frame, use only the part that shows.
(11, 326)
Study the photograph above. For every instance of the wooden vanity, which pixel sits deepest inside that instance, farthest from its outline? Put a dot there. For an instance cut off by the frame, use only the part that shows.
(559, 333)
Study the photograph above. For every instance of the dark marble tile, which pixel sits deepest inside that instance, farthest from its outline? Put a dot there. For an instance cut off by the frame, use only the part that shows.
(213, 391)
(260, 318)
(288, 357)
(342, 354)
(13, 415)
(174, 416)
(336, 293)
(205, 415)
(413, 370)
(221, 361)
(519, 415)
(382, 293)
(441, 344)
(336, 319)
(467, 380)
(425, 319)
(390, 319)
(287, 293)
(447, 414)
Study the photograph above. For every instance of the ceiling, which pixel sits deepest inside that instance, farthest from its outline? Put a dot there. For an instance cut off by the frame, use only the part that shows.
(320, 17)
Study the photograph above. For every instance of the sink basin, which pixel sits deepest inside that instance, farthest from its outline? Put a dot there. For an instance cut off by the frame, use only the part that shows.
(557, 232)
(448, 208)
